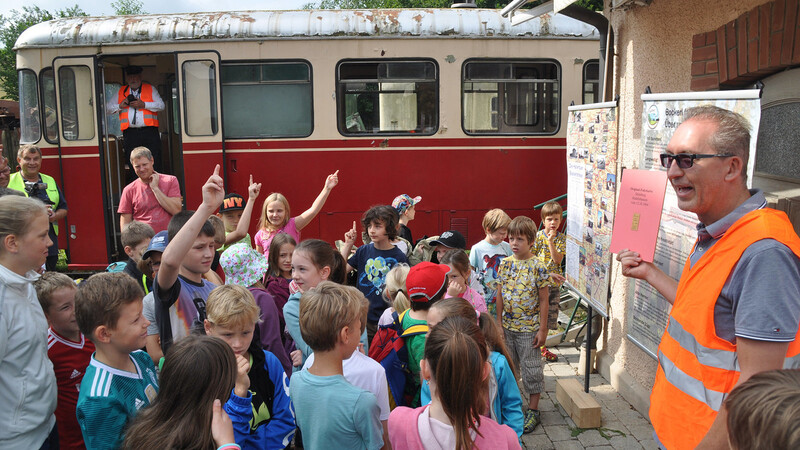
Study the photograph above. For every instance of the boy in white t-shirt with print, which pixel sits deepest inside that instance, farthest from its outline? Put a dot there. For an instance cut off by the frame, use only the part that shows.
(485, 256)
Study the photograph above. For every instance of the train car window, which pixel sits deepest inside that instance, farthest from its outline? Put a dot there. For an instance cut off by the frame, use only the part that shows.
(75, 85)
(47, 79)
(30, 122)
(591, 81)
(200, 94)
(387, 97)
(278, 98)
(511, 97)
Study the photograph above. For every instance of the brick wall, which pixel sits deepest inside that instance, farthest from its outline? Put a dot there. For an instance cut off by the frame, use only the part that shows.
(760, 42)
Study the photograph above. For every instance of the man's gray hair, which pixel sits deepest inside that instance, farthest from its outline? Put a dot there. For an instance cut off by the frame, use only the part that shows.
(733, 131)
(28, 148)
(139, 152)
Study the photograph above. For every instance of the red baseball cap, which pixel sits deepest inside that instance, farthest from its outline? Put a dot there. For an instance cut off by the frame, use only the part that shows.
(427, 281)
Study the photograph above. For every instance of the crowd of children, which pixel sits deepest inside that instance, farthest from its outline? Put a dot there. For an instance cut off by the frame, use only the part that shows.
(277, 355)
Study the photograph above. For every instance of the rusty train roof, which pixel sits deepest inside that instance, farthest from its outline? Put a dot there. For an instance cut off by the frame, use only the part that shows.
(304, 24)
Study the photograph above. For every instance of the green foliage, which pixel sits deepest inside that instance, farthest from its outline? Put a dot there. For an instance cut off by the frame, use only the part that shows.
(10, 29)
(128, 7)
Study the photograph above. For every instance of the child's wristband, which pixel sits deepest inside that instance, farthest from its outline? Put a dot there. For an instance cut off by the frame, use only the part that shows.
(229, 447)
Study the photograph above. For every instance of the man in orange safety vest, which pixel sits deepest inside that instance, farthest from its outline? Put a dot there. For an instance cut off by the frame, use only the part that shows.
(138, 105)
(736, 308)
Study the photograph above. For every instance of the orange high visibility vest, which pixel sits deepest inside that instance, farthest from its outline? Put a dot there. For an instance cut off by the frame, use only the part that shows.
(150, 117)
(697, 369)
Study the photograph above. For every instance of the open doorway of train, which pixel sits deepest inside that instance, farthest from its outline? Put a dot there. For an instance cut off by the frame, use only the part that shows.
(159, 71)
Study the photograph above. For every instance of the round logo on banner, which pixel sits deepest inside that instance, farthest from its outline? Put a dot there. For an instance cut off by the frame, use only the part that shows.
(652, 116)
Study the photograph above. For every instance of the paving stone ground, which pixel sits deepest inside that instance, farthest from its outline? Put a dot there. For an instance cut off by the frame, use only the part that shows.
(622, 426)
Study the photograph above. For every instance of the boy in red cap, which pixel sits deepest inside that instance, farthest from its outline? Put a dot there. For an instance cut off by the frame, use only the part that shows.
(426, 283)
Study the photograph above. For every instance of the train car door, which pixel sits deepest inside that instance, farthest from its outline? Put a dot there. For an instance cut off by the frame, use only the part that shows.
(200, 113)
(86, 235)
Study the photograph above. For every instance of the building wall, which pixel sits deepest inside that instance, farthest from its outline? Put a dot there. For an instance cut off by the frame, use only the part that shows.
(653, 46)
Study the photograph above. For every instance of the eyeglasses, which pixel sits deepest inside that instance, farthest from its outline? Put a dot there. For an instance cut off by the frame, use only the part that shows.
(686, 160)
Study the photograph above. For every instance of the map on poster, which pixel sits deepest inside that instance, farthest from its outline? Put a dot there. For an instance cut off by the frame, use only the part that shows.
(591, 189)
(648, 311)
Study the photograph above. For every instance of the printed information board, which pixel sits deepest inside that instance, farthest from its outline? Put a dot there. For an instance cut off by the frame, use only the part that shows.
(591, 189)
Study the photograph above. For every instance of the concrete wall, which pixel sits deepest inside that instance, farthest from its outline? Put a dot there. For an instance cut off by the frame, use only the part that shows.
(652, 47)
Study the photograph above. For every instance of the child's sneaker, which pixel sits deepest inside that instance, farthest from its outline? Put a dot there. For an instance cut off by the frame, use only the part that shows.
(531, 421)
(548, 355)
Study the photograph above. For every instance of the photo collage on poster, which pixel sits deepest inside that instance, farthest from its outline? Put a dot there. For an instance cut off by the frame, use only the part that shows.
(592, 184)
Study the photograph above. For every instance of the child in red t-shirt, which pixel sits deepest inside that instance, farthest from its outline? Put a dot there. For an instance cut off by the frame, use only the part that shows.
(67, 348)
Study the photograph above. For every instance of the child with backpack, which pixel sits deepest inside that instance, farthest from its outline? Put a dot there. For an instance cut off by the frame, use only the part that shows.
(456, 356)
(505, 403)
(400, 346)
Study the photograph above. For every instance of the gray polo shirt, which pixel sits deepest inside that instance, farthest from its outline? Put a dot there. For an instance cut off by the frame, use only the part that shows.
(761, 298)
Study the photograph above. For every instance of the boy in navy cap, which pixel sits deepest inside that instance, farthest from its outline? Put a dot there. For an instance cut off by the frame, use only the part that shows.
(153, 257)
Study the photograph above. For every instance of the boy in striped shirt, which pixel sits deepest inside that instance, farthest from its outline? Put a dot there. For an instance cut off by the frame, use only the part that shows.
(120, 379)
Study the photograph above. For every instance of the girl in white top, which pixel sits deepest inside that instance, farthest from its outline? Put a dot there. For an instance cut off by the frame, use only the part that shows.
(28, 416)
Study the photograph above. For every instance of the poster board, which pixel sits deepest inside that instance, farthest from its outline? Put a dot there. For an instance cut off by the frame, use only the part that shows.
(647, 310)
(591, 194)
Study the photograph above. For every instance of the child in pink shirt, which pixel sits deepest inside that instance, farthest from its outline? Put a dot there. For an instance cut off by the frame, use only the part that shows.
(460, 272)
(456, 355)
(276, 216)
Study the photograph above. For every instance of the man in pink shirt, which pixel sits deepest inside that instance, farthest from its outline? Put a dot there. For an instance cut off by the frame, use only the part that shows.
(153, 198)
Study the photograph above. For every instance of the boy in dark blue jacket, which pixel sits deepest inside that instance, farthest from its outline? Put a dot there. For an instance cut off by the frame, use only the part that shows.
(259, 406)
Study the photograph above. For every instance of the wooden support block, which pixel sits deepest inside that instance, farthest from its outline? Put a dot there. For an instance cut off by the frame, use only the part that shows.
(581, 406)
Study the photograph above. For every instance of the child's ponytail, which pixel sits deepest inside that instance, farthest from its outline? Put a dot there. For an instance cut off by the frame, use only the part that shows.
(457, 354)
(396, 291)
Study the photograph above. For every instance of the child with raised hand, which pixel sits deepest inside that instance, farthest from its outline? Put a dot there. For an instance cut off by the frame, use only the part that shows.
(67, 348)
(331, 412)
(276, 215)
(197, 373)
(313, 262)
(235, 214)
(187, 257)
(24, 240)
(373, 261)
(456, 355)
(120, 379)
(505, 403)
(460, 273)
(259, 405)
(485, 256)
(246, 267)
(395, 293)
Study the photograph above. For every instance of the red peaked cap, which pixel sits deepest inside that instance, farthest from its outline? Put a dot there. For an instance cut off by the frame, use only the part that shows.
(427, 281)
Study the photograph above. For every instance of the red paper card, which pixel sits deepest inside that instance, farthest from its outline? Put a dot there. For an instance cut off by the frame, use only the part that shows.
(636, 222)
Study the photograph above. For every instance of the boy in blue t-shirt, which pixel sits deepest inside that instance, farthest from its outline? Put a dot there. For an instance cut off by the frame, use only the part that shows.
(331, 412)
(485, 256)
(373, 261)
(120, 379)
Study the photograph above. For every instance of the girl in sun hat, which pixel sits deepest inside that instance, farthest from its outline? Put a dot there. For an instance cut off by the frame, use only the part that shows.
(246, 267)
